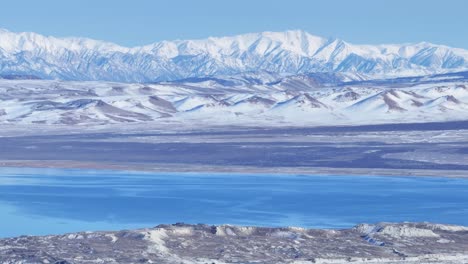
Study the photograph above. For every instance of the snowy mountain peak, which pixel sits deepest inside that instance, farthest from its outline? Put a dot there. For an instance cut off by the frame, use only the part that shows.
(33, 42)
(289, 52)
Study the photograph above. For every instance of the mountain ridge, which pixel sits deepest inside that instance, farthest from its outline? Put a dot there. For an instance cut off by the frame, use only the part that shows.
(289, 52)
(303, 100)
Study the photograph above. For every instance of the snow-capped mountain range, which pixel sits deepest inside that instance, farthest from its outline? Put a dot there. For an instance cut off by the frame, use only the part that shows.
(285, 53)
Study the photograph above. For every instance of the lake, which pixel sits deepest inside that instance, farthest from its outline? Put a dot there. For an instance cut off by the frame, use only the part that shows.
(53, 201)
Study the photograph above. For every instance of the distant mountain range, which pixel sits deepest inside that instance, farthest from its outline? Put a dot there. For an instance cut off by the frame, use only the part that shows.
(283, 53)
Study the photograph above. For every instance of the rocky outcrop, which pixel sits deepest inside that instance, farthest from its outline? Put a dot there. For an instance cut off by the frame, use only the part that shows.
(181, 243)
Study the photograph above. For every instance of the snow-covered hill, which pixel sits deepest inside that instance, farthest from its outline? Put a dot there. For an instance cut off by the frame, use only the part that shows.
(286, 53)
(301, 100)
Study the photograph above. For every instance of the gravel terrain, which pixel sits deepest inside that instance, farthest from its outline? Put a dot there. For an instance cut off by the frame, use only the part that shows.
(181, 243)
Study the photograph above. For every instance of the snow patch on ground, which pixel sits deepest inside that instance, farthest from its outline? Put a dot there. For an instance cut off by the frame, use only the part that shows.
(406, 231)
(452, 228)
(181, 231)
(156, 237)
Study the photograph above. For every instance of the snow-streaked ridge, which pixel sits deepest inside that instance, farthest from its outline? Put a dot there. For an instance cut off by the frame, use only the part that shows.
(239, 100)
(289, 52)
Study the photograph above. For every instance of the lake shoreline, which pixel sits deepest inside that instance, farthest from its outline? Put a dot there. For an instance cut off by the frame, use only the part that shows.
(191, 168)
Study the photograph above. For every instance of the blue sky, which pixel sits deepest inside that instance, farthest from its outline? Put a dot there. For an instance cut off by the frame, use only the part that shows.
(138, 22)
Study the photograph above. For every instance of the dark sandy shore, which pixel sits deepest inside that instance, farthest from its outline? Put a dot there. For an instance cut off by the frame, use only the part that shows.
(186, 168)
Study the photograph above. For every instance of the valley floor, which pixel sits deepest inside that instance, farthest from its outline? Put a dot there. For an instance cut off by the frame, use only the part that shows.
(431, 149)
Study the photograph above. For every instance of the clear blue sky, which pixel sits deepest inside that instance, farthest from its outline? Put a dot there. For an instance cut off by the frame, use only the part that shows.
(137, 22)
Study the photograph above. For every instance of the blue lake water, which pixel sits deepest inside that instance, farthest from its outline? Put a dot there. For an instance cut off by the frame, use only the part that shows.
(52, 201)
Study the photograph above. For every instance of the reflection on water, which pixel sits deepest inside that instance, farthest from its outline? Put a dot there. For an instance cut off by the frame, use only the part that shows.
(50, 201)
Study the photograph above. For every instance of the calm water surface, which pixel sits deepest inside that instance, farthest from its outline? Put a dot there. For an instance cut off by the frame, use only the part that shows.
(51, 201)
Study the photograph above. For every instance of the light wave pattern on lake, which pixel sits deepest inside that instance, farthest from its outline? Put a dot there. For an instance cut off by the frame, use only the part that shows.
(52, 201)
